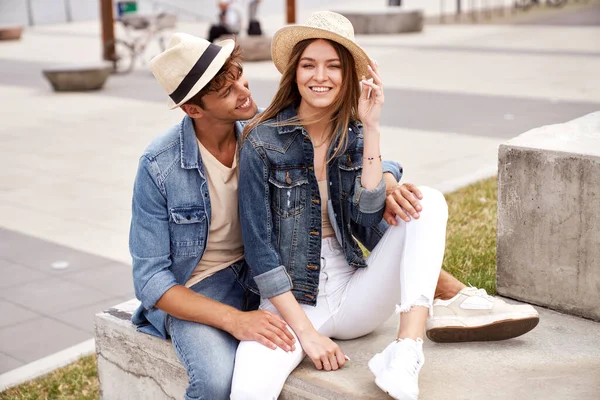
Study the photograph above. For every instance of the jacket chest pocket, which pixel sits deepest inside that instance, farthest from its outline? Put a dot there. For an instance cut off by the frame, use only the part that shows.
(350, 166)
(187, 227)
(288, 190)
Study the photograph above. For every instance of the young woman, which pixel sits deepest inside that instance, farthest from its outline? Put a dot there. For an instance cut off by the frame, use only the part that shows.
(311, 185)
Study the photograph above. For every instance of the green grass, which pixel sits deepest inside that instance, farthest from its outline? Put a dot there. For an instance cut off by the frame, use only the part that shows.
(75, 381)
(470, 256)
(471, 235)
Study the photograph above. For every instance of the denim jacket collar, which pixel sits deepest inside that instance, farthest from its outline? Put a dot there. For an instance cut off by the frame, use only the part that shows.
(284, 115)
(190, 153)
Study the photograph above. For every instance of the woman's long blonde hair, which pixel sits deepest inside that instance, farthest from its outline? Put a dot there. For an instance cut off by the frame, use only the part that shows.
(343, 110)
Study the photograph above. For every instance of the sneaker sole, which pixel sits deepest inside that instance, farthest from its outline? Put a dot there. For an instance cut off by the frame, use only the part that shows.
(499, 330)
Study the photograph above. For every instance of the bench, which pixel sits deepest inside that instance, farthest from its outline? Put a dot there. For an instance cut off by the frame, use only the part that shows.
(78, 77)
(384, 20)
(11, 32)
(253, 47)
(549, 217)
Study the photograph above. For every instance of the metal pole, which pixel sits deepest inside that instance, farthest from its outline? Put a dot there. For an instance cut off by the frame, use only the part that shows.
(29, 13)
(458, 10)
(108, 28)
(68, 11)
(291, 11)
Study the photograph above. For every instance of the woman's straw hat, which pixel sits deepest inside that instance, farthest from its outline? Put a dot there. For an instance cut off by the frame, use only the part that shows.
(320, 25)
(187, 65)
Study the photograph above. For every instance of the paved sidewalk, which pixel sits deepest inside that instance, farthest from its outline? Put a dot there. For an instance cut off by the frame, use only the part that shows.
(453, 94)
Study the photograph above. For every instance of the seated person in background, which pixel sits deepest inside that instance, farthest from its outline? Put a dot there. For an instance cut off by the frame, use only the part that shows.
(229, 21)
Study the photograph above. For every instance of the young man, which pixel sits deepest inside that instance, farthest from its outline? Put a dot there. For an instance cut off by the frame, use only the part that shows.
(185, 240)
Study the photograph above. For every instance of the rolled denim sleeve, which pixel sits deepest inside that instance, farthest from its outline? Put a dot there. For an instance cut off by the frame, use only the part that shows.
(393, 167)
(260, 251)
(149, 242)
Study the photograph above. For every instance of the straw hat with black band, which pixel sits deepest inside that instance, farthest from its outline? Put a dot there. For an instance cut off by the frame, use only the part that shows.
(320, 25)
(188, 65)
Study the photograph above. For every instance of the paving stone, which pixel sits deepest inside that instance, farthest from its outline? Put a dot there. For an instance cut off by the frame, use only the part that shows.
(115, 279)
(39, 254)
(7, 363)
(38, 338)
(83, 317)
(13, 314)
(12, 274)
(54, 296)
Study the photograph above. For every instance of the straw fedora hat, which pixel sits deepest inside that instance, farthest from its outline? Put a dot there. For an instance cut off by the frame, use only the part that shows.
(187, 65)
(320, 25)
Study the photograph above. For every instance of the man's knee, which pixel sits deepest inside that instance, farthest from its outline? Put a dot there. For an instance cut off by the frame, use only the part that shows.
(213, 386)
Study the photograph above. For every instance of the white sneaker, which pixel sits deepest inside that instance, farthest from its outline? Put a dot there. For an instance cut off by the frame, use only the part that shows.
(473, 315)
(397, 368)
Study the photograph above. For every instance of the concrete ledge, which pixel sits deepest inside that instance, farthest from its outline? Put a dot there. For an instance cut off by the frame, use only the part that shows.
(388, 20)
(547, 363)
(11, 32)
(254, 47)
(548, 247)
(77, 77)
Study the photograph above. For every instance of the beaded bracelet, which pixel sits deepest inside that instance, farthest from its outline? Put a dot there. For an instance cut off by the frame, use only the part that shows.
(370, 159)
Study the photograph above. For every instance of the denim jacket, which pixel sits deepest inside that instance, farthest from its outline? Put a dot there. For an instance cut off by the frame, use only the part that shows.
(280, 206)
(171, 213)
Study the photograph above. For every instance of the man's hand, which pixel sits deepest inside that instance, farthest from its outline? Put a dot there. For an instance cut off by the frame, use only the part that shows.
(264, 327)
(402, 200)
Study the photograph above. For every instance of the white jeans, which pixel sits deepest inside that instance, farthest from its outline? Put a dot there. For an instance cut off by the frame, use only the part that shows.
(403, 268)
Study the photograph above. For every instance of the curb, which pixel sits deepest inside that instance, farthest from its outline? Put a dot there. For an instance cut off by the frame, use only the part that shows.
(46, 365)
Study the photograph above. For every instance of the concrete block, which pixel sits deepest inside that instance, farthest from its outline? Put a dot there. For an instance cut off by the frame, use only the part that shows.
(10, 32)
(548, 249)
(78, 77)
(545, 364)
(386, 20)
(254, 48)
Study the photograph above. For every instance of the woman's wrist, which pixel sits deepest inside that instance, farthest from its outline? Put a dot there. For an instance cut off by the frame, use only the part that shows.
(371, 128)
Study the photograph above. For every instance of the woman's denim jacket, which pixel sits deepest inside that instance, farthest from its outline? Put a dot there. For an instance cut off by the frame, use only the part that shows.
(280, 206)
(170, 220)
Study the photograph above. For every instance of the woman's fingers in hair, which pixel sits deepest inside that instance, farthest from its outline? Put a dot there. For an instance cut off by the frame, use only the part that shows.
(375, 73)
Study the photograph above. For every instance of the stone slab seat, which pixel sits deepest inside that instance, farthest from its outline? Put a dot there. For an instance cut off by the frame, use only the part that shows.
(11, 32)
(384, 20)
(253, 47)
(134, 365)
(549, 217)
(78, 77)
(560, 359)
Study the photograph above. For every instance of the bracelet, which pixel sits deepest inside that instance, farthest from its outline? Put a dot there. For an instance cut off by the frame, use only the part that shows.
(370, 159)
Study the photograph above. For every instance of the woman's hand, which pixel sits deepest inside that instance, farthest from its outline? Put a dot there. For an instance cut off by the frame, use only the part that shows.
(371, 101)
(323, 352)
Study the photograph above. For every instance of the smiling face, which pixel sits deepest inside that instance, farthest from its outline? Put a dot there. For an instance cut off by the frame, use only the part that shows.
(231, 103)
(318, 76)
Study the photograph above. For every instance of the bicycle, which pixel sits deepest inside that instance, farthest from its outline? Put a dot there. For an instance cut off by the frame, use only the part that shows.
(123, 53)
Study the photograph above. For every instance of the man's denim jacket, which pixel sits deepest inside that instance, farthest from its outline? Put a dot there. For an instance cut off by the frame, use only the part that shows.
(170, 220)
(280, 206)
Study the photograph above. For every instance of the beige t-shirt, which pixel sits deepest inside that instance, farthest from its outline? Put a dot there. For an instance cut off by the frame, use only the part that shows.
(224, 245)
(326, 228)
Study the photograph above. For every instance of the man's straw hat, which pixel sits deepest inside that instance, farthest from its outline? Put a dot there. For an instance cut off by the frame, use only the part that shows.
(188, 65)
(320, 25)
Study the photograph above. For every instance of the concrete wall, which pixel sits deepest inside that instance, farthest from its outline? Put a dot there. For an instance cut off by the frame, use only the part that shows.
(548, 249)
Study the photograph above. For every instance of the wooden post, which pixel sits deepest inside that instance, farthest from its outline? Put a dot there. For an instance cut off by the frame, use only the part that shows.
(291, 11)
(108, 28)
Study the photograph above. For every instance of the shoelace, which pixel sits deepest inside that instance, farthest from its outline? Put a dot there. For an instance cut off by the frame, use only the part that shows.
(480, 292)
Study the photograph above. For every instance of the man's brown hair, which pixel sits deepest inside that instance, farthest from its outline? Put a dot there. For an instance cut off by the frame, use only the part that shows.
(229, 72)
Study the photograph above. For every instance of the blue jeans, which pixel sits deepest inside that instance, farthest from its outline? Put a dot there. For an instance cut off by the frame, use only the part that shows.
(208, 353)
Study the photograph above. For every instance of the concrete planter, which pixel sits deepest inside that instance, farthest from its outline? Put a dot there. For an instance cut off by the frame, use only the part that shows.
(78, 77)
(382, 21)
(11, 32)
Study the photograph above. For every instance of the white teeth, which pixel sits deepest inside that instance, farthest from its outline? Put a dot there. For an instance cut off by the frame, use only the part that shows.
(245, 104)
(320, 89)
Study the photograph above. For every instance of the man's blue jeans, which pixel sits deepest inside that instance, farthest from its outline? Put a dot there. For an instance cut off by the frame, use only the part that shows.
(208, 353)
